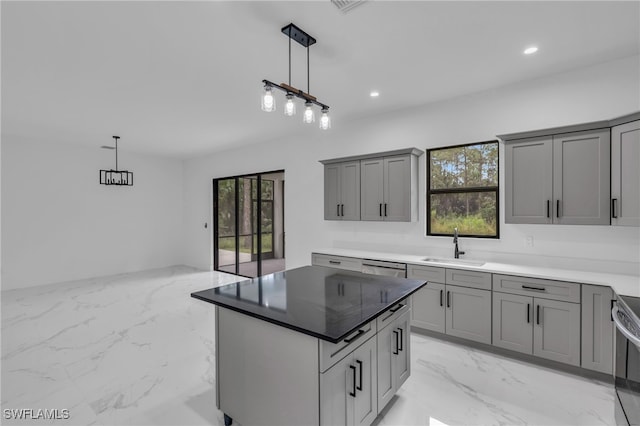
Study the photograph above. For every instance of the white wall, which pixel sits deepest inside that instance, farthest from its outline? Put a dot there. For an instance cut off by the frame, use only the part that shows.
(60, 224)
(595, 93)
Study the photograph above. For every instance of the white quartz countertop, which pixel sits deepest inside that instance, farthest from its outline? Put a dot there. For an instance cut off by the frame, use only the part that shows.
(624, 285)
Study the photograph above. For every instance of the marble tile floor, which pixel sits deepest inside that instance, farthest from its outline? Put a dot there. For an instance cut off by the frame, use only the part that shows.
(135, 349)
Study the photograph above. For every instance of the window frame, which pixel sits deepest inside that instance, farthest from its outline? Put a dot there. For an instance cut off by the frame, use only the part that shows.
(469, 190)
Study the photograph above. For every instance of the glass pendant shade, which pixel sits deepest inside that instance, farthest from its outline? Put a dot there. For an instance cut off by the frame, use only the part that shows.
(309, 117)
(268, 101)
(325, 120)
(290, 106)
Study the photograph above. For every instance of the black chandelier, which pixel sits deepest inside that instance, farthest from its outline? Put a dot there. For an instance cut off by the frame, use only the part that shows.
(115, 177)
(269, 102)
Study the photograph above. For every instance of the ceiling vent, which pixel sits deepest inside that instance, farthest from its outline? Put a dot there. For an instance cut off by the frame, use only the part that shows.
(346, 5)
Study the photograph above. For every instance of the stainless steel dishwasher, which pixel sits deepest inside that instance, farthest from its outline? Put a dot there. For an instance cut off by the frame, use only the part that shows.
(390, 269)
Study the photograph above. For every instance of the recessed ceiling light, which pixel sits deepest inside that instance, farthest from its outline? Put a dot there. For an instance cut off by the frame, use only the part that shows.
(374, 94)
(530, 50)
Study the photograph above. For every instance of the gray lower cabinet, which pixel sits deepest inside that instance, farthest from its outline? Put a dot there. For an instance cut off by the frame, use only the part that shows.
(556, 333)
(461, 310)
(468, 313)
(597, 328)
(338, 262)
(348, 389)
(342, 191)
(427, 309)
(546, 328)
(562, 178)
(512, 322)
(625, 174)
(394, 363)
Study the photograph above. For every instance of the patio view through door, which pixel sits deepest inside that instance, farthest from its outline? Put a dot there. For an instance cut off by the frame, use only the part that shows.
(248, 222)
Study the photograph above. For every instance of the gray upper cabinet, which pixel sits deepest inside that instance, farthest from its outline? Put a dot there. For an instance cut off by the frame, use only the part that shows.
(372, 189)
(385, 187)
(397, 188)
(528, 183)
(581, 178)
(625, 174)
(561, 179)
(342, 191)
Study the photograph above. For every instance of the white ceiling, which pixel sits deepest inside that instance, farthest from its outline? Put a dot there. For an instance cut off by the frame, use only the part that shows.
(182, 79)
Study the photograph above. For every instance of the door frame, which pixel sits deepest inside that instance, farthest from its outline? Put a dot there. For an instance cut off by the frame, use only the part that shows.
(214, 221)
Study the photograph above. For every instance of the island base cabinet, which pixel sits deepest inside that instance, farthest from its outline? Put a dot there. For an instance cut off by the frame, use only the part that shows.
(265, 368)
(348, 390)
(394, 363)
(556, 332)
(468, 313)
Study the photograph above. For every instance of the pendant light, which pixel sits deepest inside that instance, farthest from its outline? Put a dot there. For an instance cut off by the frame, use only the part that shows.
(115, 176)
(325, 120)
(268, 103)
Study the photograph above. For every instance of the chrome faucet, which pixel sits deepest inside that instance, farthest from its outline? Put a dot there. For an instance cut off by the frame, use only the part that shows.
(456, 252)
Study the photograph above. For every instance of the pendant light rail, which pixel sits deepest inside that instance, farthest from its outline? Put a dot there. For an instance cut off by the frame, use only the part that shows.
(296, 92)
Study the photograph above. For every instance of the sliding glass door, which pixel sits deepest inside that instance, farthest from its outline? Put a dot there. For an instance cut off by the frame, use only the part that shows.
(249, 224)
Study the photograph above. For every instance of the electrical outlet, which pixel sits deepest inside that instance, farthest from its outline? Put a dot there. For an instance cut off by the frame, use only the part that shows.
(528, 241)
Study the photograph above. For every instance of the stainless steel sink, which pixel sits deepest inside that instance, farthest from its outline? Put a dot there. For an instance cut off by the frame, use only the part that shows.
(453, 261)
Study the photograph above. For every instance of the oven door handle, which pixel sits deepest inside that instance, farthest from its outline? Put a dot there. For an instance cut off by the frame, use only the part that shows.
(622, 329)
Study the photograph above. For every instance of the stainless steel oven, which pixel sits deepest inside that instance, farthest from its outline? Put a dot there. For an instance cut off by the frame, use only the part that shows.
(626, 315)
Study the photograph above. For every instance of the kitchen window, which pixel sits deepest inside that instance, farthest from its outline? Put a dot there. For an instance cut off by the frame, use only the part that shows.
(462, 190)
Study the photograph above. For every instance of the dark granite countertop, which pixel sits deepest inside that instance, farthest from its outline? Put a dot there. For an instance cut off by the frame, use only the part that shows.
(326, 303)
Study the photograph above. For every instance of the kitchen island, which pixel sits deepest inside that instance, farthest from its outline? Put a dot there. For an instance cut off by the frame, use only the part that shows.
(310, 346)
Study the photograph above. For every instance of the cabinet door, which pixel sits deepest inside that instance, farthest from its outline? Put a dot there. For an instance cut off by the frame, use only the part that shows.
(332, 192)
(468, 313)
(581, 178)
(386, 359)
(365, 404)
(372, 192)
(336, 384)
(529, 181)
(556, 331)
(513, 322)
(397, 189)
(597, 328)
(350, 191)
(427, 307)
(403, 358)
(625, 174)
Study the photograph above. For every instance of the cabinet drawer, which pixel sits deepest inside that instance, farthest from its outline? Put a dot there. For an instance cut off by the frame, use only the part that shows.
(331, 353)
(473, 279)
(428, 273)
(339, 262)
(545, 289)
(392, 314)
